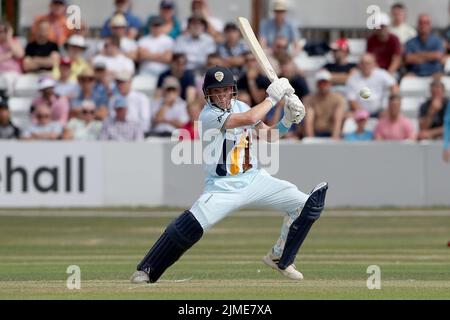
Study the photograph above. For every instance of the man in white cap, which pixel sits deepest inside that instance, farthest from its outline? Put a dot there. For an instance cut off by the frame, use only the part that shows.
(385, 46)
(59, 106)
(280, 26)
(115, 61)
(119, 27)
(75, 48)
(325, 109)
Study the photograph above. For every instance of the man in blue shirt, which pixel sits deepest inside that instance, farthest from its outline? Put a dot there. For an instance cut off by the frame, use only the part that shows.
(134, 23)
(361, 134)
(424, 52)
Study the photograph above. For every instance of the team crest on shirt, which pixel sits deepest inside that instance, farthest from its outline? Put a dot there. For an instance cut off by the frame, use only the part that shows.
(219, 76)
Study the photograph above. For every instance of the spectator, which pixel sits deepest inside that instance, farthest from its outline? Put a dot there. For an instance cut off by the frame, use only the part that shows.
(134, 23)
(233, 49)
(104, 85)
(385, 46)
(380, 82)
(65, 87)
(431, 113)
(185, 77)
(170, 111)
(59, 106)
(128, 46)
(361, 134)
(393, 125)
(399, 27)
(214, 26)
(43, 128)
(11, 53)
(7, 129)
(138, 104)
(156, 49)
(119, 128)
(171, 26)
(190, 129)
(424, 52)
(86, 82)
(41, 54)
(253, 83)
(115, 61)
(56, 18)
(75, 46)
(280, 48)
(340, 69)
(289, 70)
(446, 153)
(85, 127)
(196, 44)
(325, 109)
(280, 26)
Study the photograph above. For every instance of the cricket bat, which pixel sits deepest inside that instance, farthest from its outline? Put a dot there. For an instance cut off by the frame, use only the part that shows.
(255, 47)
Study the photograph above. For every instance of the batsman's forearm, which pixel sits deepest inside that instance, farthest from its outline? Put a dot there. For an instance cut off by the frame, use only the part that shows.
(258, 112)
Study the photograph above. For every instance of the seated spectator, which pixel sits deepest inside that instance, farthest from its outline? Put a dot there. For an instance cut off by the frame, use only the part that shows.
(85, 127)
(128, 46)
(432, 111)
(233, 49)
(184, 76)
(393, 125)
(134, 23)
(280, 26)
(171, 26)
(280, 48)
(41, 54)
(156, 49)
(215, 25)
(59, 106)
(75, 47)
(423, 54)
(380, 82)
(86, 82)
(65, 87)
(253, 81)
(324, 109)
(446, 152)
(289, 70)
(138, 105)
(43, 128)
(11, 53)
(399, 26)
(361, 134)
(170, 111)
(190, 129)
(385, 46)
(56, 18)
(104, 84)
(7, 129)
(340, 69)
(196, 44)
(115, 61)
(119, 128)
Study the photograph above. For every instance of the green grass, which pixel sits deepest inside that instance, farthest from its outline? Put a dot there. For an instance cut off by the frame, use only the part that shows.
(412, 253)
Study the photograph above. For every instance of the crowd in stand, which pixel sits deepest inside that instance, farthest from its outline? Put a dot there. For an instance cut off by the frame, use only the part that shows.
(87, 94)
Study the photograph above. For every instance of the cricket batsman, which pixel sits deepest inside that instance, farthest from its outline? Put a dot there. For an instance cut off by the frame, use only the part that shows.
(234, 180)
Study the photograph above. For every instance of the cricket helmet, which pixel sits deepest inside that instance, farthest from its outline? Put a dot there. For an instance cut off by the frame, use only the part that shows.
(218, 77)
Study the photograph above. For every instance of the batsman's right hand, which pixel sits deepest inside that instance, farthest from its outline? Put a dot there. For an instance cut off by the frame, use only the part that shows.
(278, 89)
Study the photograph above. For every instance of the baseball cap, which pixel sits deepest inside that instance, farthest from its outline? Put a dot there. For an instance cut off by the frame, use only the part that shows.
(87, 73)
(340, 44)
(119, 20)
(171, 82)
(361, 114)
(383, 19)
(280, 5)
(167, 4)
(99, 65)
(123, 76)
(65, 61)
(77, 41)
(45, 83)
(157, 21)
(120, 102)
(323, 75)
(88, 104)
(3, 103)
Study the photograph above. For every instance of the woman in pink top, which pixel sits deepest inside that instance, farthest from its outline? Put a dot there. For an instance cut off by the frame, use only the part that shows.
(393, 125)
(11, 52)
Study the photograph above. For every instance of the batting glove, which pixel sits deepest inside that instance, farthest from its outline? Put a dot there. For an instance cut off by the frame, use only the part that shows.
(278, 89)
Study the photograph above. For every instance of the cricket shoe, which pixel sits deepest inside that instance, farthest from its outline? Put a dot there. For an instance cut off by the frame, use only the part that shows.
(139, 277)
(290, 272)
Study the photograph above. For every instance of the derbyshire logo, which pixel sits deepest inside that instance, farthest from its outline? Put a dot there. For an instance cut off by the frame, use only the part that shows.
(44, 179)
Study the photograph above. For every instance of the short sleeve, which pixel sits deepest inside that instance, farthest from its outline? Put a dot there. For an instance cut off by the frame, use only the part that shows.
(213, 119)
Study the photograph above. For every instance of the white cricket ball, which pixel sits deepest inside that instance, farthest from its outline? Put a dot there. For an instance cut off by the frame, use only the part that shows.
(365, 93)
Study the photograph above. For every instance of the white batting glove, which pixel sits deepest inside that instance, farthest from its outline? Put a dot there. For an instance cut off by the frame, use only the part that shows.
(294, 111)
(278, 89)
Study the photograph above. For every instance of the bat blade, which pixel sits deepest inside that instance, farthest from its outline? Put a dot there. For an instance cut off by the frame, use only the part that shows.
(255, 47)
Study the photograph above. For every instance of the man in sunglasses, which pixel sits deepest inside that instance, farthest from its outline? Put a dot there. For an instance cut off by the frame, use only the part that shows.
(43, 128)
(85, 127)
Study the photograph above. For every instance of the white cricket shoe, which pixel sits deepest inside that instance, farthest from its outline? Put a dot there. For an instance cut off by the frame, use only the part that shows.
(139, 277)
(290, 272)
